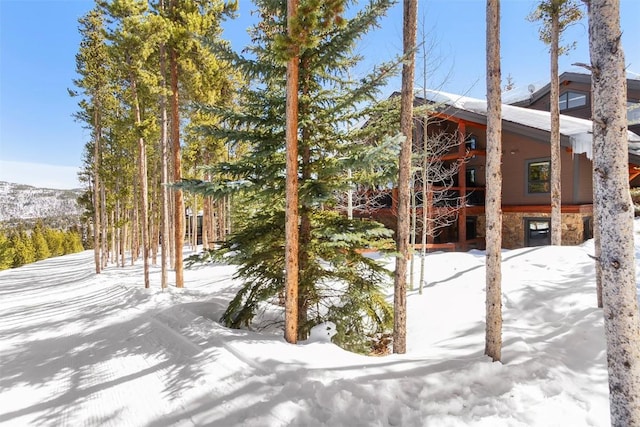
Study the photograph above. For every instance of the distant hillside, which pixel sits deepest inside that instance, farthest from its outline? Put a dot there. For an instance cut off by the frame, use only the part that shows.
(20, 202)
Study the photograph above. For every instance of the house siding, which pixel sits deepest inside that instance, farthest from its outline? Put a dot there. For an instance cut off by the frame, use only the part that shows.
(518, 150)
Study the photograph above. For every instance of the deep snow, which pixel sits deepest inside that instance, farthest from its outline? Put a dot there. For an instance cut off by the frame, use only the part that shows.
(79, 349)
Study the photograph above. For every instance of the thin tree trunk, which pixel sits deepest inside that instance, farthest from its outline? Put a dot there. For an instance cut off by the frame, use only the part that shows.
(103, 223)
(614, 209)
(172, 232)
(96, 191)
(135, 232)
(410, 24)
(425, 188)
(291, 185)
(556, 195)
(123, 240)
(493, 205)
(112, 240)
(206, 205)
(414, 226)
(142, 177)
(177, 167)
(164, 166)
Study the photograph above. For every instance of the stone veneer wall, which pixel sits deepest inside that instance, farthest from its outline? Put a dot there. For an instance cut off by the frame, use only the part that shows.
(513, 228)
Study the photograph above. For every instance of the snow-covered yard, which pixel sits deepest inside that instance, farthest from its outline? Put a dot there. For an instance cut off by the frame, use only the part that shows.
(79, 349)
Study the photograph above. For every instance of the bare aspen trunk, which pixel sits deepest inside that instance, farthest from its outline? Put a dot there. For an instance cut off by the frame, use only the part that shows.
(414, 226)
(614, 210)
(291, 185)
(409, 29)
(425, 189)
(493, 204)
(556, 194)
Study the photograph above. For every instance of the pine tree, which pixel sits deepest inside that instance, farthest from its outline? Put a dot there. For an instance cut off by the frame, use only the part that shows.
(329, 243)
(40, 247)
(55, 239)
(7, 251)
(92, 64)
(24, 252)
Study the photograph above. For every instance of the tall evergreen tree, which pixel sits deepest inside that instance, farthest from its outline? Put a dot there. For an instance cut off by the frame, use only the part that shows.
(92, 63)
(329, 243)
(190, 65)
(23, 250)
(7, 252)
(40, 246)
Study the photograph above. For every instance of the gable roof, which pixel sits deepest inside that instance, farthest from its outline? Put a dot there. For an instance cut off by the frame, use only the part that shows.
(574, 132)
(526, 96)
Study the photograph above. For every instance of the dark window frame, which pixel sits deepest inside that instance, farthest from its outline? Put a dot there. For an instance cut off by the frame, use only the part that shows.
(529, 181)
(564, 100)
(528, 239)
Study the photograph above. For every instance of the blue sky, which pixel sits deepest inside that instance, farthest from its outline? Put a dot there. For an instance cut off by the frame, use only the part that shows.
(39, 40)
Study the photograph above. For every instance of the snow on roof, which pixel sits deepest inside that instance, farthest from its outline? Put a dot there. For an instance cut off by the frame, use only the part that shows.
(579, 131)
(519, 93)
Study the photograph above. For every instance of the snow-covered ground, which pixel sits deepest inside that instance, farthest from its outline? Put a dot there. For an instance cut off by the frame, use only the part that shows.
(79, 349)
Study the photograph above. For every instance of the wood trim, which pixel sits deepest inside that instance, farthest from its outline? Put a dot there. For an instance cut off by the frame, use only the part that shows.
(466, 155)
(582, 209)
(634, 171)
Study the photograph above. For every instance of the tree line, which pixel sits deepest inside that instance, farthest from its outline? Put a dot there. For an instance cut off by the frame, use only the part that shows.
(20, 246)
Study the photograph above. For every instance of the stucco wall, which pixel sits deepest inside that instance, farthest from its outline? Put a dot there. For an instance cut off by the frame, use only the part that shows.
(518, 150)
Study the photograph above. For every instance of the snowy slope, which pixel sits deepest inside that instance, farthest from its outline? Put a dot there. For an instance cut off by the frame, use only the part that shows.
(80, 349)
(18, 201)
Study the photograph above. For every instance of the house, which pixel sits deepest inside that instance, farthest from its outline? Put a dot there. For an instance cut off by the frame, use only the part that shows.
(526, 204)
(575, 97)
(575, 101)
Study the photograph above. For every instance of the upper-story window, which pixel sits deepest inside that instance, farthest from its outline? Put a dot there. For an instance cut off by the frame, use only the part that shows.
(633, 112)
(572, 100)
(538, 176)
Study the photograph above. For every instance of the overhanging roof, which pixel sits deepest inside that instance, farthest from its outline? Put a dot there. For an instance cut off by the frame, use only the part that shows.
(574, 132)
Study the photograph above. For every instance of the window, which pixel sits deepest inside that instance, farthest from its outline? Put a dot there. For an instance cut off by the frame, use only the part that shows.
(587, 225)
(537, 231)
(633, 112)
(572, 100)
(538, 176)
(471, 177)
